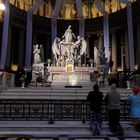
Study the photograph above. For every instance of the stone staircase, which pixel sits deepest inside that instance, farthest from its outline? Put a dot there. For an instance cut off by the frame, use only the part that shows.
(53, 92)
(69, 128)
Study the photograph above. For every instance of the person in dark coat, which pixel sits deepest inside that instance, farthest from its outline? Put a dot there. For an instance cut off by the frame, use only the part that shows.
(95, 98)
(113, 99)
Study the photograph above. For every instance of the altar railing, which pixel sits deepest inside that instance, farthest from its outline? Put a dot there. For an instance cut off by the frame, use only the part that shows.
(53, 110)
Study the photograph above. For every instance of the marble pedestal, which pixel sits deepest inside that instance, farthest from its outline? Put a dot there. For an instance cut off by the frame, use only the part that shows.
(36, 69)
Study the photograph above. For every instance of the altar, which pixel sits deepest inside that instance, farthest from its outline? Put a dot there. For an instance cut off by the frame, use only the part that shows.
(66, 66)
(79, 75)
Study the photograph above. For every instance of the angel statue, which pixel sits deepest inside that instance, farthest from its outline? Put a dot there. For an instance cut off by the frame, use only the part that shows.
(83, 46)
(68, 49)
(38, 54)
(56, 49)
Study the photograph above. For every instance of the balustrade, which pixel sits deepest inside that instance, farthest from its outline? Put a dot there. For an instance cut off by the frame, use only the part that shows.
(53, 110)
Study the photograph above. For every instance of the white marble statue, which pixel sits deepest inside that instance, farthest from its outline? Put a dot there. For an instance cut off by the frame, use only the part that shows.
(96, 56)
(37, 54)
(56, 49)
(38, 61)
(69, 35)
(68, 49)
(83, 46)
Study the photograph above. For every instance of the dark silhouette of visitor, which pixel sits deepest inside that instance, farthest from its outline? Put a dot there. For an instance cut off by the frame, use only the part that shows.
(95, 98)
(112, 99)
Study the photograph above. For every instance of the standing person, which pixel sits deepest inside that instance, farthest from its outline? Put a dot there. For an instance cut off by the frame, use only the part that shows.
(95, 98)
(135, 106)
(112, 99)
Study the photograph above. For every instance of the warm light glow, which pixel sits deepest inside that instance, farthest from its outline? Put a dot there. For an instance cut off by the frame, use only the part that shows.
(14, 67)
(119, 69)
(136, 67)
(2, 6)
(73, 79)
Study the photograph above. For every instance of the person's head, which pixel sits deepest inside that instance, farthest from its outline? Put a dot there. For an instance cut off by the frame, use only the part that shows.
(96, 87)
(136, 90)
(113, 87)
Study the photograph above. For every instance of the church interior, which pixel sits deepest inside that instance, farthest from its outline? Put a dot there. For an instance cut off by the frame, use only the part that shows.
(52, 53)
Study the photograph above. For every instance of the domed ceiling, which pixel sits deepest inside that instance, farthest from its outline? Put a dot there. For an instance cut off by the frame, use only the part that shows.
(68, 8)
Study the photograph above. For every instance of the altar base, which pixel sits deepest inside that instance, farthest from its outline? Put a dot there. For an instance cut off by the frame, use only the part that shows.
(80, 75)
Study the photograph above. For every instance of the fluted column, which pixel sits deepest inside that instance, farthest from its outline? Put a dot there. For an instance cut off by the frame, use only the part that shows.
(138, 45)
(29, 30)
(34, 39)
(88, 49)
(114, 52)
(5, 35)
(21, 49)
(28, 39)
(56, 13)
(81, 20)
(130, 37)
(105, 27)
(126, 51)
(9, 52)
(130, 33)
(122, 58)
(100, 42)
(122, 50)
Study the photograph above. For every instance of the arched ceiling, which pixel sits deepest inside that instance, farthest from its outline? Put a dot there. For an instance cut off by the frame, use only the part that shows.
(69, 10)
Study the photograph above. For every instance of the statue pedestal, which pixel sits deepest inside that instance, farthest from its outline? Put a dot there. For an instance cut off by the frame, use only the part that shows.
(36, 69)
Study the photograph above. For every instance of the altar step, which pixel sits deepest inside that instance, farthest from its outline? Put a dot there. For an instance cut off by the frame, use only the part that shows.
(52, 93)
(70, 128)
(55, 92)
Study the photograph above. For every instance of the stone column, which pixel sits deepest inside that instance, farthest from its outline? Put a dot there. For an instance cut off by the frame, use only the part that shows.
(130, 36)
(8, 57)
(122, 58)
(100, 42)
(4, 80)
(34, 39)
(49, 49)
(29, 29)
(21, 49)
(5, 34)
(122, 50)
(114, 52)
(100, 48)
(87, 50)
(81, 20)
(138, 46)
(57, 9)
(126, 50)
